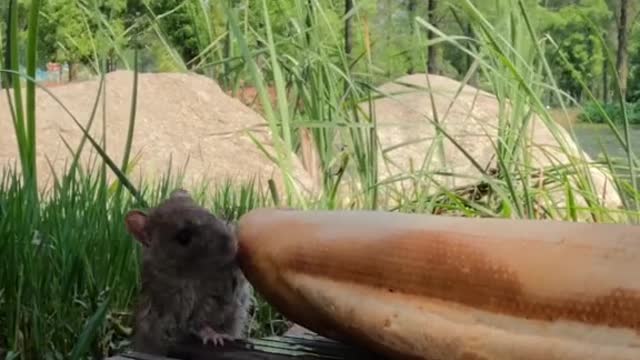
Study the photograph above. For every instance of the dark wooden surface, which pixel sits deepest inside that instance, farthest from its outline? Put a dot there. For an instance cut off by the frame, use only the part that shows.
(303, 347)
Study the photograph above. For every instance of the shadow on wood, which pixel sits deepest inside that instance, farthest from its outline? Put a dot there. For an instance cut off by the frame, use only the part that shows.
(301, 346)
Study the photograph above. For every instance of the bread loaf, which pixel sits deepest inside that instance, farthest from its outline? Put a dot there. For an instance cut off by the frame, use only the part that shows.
(434, 287)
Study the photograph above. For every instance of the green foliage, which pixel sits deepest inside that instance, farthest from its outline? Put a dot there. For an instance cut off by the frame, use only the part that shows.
(581, 55)
(633, 91)
(66, 35)
(591, 113)
(80, 32)
(4, 8)
(180, 26)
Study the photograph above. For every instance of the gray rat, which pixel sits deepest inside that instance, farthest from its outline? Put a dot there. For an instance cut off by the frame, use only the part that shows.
(191, 283)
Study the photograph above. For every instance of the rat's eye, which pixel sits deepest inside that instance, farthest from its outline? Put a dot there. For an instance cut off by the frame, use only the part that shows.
(183, 237)
(224, 242)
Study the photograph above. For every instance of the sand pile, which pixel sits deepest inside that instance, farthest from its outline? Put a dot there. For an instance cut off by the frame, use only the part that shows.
(181, 119)
(471, 118)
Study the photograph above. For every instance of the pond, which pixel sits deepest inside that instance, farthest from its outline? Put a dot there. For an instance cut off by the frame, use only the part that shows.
(593, 137)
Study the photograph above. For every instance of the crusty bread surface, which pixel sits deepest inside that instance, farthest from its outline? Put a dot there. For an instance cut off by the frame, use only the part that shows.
(433, 287)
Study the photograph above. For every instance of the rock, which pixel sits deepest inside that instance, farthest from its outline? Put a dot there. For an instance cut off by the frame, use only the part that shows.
(181, 119)
(472, 120)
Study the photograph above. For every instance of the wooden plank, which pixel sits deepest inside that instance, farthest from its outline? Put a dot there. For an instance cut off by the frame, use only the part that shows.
(305, 347)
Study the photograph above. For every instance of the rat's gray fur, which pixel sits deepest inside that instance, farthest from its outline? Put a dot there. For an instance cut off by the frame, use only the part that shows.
(187, 288)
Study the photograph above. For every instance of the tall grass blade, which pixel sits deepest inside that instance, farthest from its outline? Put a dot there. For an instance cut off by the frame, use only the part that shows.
(283, 149)
(83, 140)
(90, 331)
(34, 11)
(132, 119)
(13, 63)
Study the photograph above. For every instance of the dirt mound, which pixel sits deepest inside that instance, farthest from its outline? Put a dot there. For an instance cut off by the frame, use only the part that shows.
(181, 119)
(406, 134)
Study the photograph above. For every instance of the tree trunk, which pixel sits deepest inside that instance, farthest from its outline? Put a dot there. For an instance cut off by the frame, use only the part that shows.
(411, 8)
(309, 21)
(605, 81)
(348, 31)
(470, 34)
(623, 53)
(72, 71)
(110, 64)
(432, 58)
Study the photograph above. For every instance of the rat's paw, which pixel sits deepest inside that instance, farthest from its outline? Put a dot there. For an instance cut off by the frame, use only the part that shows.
(208, 334)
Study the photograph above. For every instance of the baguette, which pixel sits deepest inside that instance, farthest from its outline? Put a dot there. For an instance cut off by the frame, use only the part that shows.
(412, 286)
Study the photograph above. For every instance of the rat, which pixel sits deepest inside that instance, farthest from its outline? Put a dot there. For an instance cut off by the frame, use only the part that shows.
(191, 284)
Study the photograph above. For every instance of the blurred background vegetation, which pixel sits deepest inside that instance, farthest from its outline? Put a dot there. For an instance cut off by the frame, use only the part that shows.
(79, 32)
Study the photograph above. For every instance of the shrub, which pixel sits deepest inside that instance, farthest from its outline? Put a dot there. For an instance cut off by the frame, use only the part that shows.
(592, 113)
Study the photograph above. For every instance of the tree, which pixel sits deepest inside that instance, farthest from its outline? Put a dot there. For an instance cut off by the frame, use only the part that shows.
(633, 89)
(348, 27)
(75, 32)
(580, 56)
(432, 56)
(622, 55)
(627, 12)
(112, 38)
(4, 9)
(463, 61)
(178, 27)
(609, 34)
(67, 37)
(411, 9)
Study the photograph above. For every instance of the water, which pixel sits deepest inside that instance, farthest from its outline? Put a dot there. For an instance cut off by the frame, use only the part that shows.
(592, 138)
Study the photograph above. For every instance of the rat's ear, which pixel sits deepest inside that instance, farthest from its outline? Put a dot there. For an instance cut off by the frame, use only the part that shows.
(136, 222)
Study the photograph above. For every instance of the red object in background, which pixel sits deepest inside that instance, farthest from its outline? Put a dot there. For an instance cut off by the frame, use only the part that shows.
(55, 74)
(54, 67)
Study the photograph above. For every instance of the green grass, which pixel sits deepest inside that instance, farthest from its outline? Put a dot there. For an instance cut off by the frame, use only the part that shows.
(69, 271)
(69, 266)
